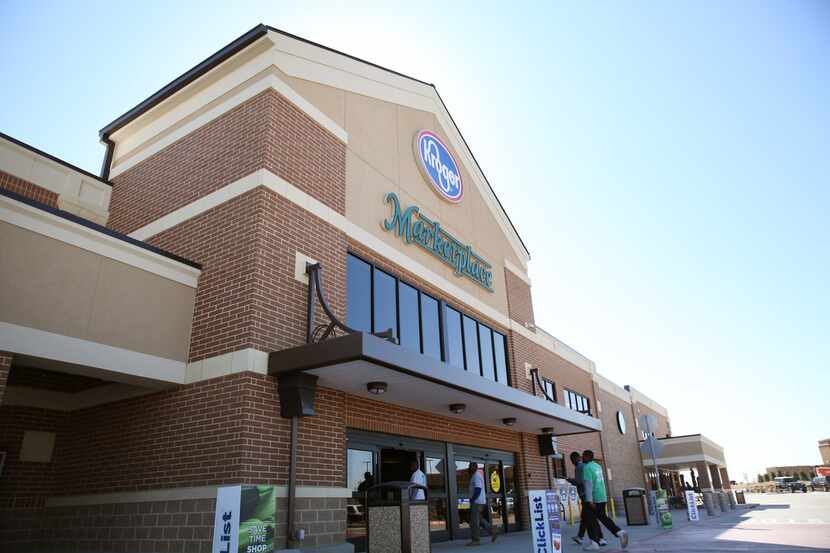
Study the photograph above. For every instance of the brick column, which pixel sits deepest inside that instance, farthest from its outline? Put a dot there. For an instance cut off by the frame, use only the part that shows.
(724, 476)
(716, 481)
(5, 367)
(704, 481)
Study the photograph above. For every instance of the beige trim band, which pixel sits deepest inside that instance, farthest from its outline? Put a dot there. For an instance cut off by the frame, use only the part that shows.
(187, 122)
(78, 193)
(639, 397)
(518, 271)
(248, 359)
(693, 439)
(553, 344)
(684, 459)
(275, 183)
(177, 494)
(69, 232)
(612, 388)
(131, 367)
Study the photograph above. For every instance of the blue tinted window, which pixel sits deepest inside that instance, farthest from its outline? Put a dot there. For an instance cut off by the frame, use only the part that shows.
(500, 353)
(471, 345)
(485, 342)
(430, 327)
(408, 302)
(455, 347)
(358, 294)
(384, 304)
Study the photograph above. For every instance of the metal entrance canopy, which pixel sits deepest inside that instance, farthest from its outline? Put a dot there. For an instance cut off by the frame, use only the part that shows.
(350, 362)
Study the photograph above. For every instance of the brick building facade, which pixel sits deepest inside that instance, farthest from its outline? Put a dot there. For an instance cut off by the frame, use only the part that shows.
(217, 196)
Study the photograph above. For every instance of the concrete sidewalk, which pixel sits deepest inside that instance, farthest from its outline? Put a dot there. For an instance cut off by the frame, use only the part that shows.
(520, 541)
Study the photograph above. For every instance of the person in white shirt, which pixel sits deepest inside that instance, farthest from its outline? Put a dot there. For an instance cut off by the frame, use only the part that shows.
(478, 502)
(418, 477)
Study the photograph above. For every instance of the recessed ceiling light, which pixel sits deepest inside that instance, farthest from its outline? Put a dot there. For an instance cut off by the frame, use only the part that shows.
(376, 388)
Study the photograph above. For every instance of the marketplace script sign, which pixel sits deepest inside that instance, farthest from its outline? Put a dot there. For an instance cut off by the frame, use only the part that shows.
(412, 226)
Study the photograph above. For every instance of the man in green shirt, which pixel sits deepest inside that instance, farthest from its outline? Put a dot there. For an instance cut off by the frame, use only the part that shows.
(595, 499)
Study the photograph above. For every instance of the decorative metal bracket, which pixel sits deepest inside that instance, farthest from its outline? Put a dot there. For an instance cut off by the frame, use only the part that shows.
(319, 332)
(537, 383)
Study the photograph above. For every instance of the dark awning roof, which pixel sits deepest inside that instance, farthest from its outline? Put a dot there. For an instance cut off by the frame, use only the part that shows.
(420, 382)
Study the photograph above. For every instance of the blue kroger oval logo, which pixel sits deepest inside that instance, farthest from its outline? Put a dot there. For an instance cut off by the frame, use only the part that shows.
(439, 167)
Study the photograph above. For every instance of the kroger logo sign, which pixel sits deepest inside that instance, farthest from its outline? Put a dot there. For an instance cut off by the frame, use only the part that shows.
(438, 166)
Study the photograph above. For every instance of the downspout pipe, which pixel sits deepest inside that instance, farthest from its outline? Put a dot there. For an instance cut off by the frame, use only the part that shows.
(107, 164)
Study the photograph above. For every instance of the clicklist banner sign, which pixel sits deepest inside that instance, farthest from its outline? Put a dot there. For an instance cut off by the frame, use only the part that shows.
(245, 520)
(544, 520)
(691, 506)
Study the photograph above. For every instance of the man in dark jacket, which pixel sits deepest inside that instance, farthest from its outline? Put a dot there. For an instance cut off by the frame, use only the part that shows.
(576, 459)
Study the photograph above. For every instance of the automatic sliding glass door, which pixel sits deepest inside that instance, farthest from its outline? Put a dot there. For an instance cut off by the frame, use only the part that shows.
(435, 469)
(387, 458)
(361, 474)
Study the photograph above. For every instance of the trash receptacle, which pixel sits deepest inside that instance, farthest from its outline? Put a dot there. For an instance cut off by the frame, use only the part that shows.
(397, 520)
(636, 512)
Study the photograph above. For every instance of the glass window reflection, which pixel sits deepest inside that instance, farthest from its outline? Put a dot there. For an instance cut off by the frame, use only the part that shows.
(410, 333)
(359, 294)
(500, 354)
(385, 302)
(455, 347)
(430, 327)
(485, 344)
(471, 345)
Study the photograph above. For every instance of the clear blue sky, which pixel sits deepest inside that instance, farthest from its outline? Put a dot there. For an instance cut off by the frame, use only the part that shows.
(666, 163)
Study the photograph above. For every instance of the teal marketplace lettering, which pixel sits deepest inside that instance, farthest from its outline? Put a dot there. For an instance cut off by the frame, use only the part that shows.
(414, 227)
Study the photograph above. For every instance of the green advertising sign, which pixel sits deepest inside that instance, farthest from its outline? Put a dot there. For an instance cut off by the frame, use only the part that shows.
(257, 519)
(414, 227)
(663, 510)
(246, 519)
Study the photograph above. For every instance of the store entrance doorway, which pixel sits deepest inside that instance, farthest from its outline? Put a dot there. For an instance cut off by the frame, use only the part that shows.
(376, 458)
(395, 464)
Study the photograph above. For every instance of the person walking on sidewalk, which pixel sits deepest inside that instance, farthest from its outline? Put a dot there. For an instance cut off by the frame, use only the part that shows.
(595, 499)
(478, 502)
(577, 480)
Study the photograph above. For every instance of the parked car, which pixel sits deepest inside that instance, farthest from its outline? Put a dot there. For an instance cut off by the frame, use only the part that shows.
(789, 484)
(819, 482)
(797, 486)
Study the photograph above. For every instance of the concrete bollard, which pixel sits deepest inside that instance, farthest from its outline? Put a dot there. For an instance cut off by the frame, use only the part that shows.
(733, 503)
(709, 503)
(724, 503)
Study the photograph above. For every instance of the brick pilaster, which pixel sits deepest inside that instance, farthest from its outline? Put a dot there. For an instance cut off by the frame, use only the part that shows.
(519, 299)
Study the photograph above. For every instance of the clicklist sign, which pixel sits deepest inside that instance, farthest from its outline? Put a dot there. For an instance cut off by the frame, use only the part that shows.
(545, 531)
(414, 227)
(439, 166)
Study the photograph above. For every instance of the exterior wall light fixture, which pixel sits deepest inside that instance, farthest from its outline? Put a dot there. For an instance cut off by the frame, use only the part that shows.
(509, 421)
(547, 430)
(376, 388)
(457, 408)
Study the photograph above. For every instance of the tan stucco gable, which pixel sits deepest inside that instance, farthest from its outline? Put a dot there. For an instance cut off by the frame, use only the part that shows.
(333, 88)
